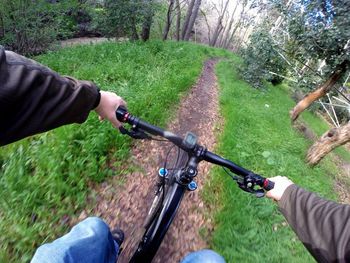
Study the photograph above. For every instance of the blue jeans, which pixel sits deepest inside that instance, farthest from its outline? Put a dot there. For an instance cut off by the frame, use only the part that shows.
(203, 256)
(91, 241)
(88, 241)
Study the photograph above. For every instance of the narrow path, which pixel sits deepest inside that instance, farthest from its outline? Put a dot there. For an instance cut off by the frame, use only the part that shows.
(126, 205)
(83, 41)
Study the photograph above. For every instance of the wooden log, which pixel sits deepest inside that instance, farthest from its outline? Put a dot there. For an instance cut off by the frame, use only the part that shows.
(328, 141)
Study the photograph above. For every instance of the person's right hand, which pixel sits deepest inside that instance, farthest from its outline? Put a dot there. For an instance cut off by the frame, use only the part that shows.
(281, 184)
(109, 103)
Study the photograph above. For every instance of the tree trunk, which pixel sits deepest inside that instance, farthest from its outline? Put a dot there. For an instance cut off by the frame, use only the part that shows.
(242, 39)
(207, 23)
(229, 40)
(168, 20)
(2, 27)
(192, 20)
(219, 27)
(320, 91)
(134, 35)
(227, 35)
(148, 20)
(178, 20)
(328, 141)
(221, 36)
(187, 19)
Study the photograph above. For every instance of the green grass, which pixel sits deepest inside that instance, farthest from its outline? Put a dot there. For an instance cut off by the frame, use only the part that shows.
(258, 135)
(45, 179)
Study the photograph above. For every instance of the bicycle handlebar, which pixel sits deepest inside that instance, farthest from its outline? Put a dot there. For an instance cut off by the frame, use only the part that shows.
(139, 127)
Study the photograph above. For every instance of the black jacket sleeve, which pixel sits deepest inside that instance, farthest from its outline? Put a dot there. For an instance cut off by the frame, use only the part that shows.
(35, 99)
(323, 226)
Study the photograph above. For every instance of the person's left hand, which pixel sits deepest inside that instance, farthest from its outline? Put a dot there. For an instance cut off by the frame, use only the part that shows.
(109, 103)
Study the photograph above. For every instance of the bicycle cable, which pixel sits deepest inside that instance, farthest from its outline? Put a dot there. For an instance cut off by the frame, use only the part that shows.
(234, 177)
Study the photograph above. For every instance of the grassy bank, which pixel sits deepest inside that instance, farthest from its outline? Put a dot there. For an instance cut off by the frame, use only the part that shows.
(258, 135)
(45, 179)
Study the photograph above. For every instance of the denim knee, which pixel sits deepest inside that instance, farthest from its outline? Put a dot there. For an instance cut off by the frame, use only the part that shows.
(90, 241)
(203, 256)
(97, 225)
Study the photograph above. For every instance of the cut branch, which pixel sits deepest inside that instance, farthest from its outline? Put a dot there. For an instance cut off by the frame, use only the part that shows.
(328, 141)
(320, 91)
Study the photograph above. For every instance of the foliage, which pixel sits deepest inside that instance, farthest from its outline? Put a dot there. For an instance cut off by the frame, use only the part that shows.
(317, 31)
(309, 32)
(260, 59)
(26, 26)
(30, 27)
(247, 229)
(320, 31)
(45, 180)
(125, 17)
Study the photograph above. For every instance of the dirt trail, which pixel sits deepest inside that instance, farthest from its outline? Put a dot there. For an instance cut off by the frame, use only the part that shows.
(126, 205)
(84, 40)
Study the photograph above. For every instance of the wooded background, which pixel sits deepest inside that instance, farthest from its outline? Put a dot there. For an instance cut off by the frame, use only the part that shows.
(305, 43)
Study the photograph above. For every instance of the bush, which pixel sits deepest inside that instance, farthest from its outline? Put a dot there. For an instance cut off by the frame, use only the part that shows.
(30, 27)
(27, 27)
(260, 58)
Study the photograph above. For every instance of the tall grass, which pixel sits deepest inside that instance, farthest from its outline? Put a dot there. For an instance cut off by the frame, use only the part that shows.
(45, 179)
(258, 135)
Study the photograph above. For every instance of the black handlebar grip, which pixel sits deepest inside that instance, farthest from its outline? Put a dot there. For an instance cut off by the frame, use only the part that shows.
(120, 113)
(268, 185)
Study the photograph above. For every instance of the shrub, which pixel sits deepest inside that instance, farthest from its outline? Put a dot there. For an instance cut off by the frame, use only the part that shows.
(260, 58)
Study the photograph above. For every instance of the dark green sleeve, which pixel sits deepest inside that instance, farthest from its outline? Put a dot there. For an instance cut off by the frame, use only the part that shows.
(323, 226)
(35, 99)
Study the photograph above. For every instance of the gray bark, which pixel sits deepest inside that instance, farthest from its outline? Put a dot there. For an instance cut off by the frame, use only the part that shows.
(148, 19)
(237, 25)
(219, 27)
(208, 26)
(187, 19)
(2, 27)
(239, 44)
(178, 19)
(226, 38)
(192, 19)
(168, 20)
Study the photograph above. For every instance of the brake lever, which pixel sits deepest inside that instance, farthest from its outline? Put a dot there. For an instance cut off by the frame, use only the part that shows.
(135, 133)
(248, 183)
